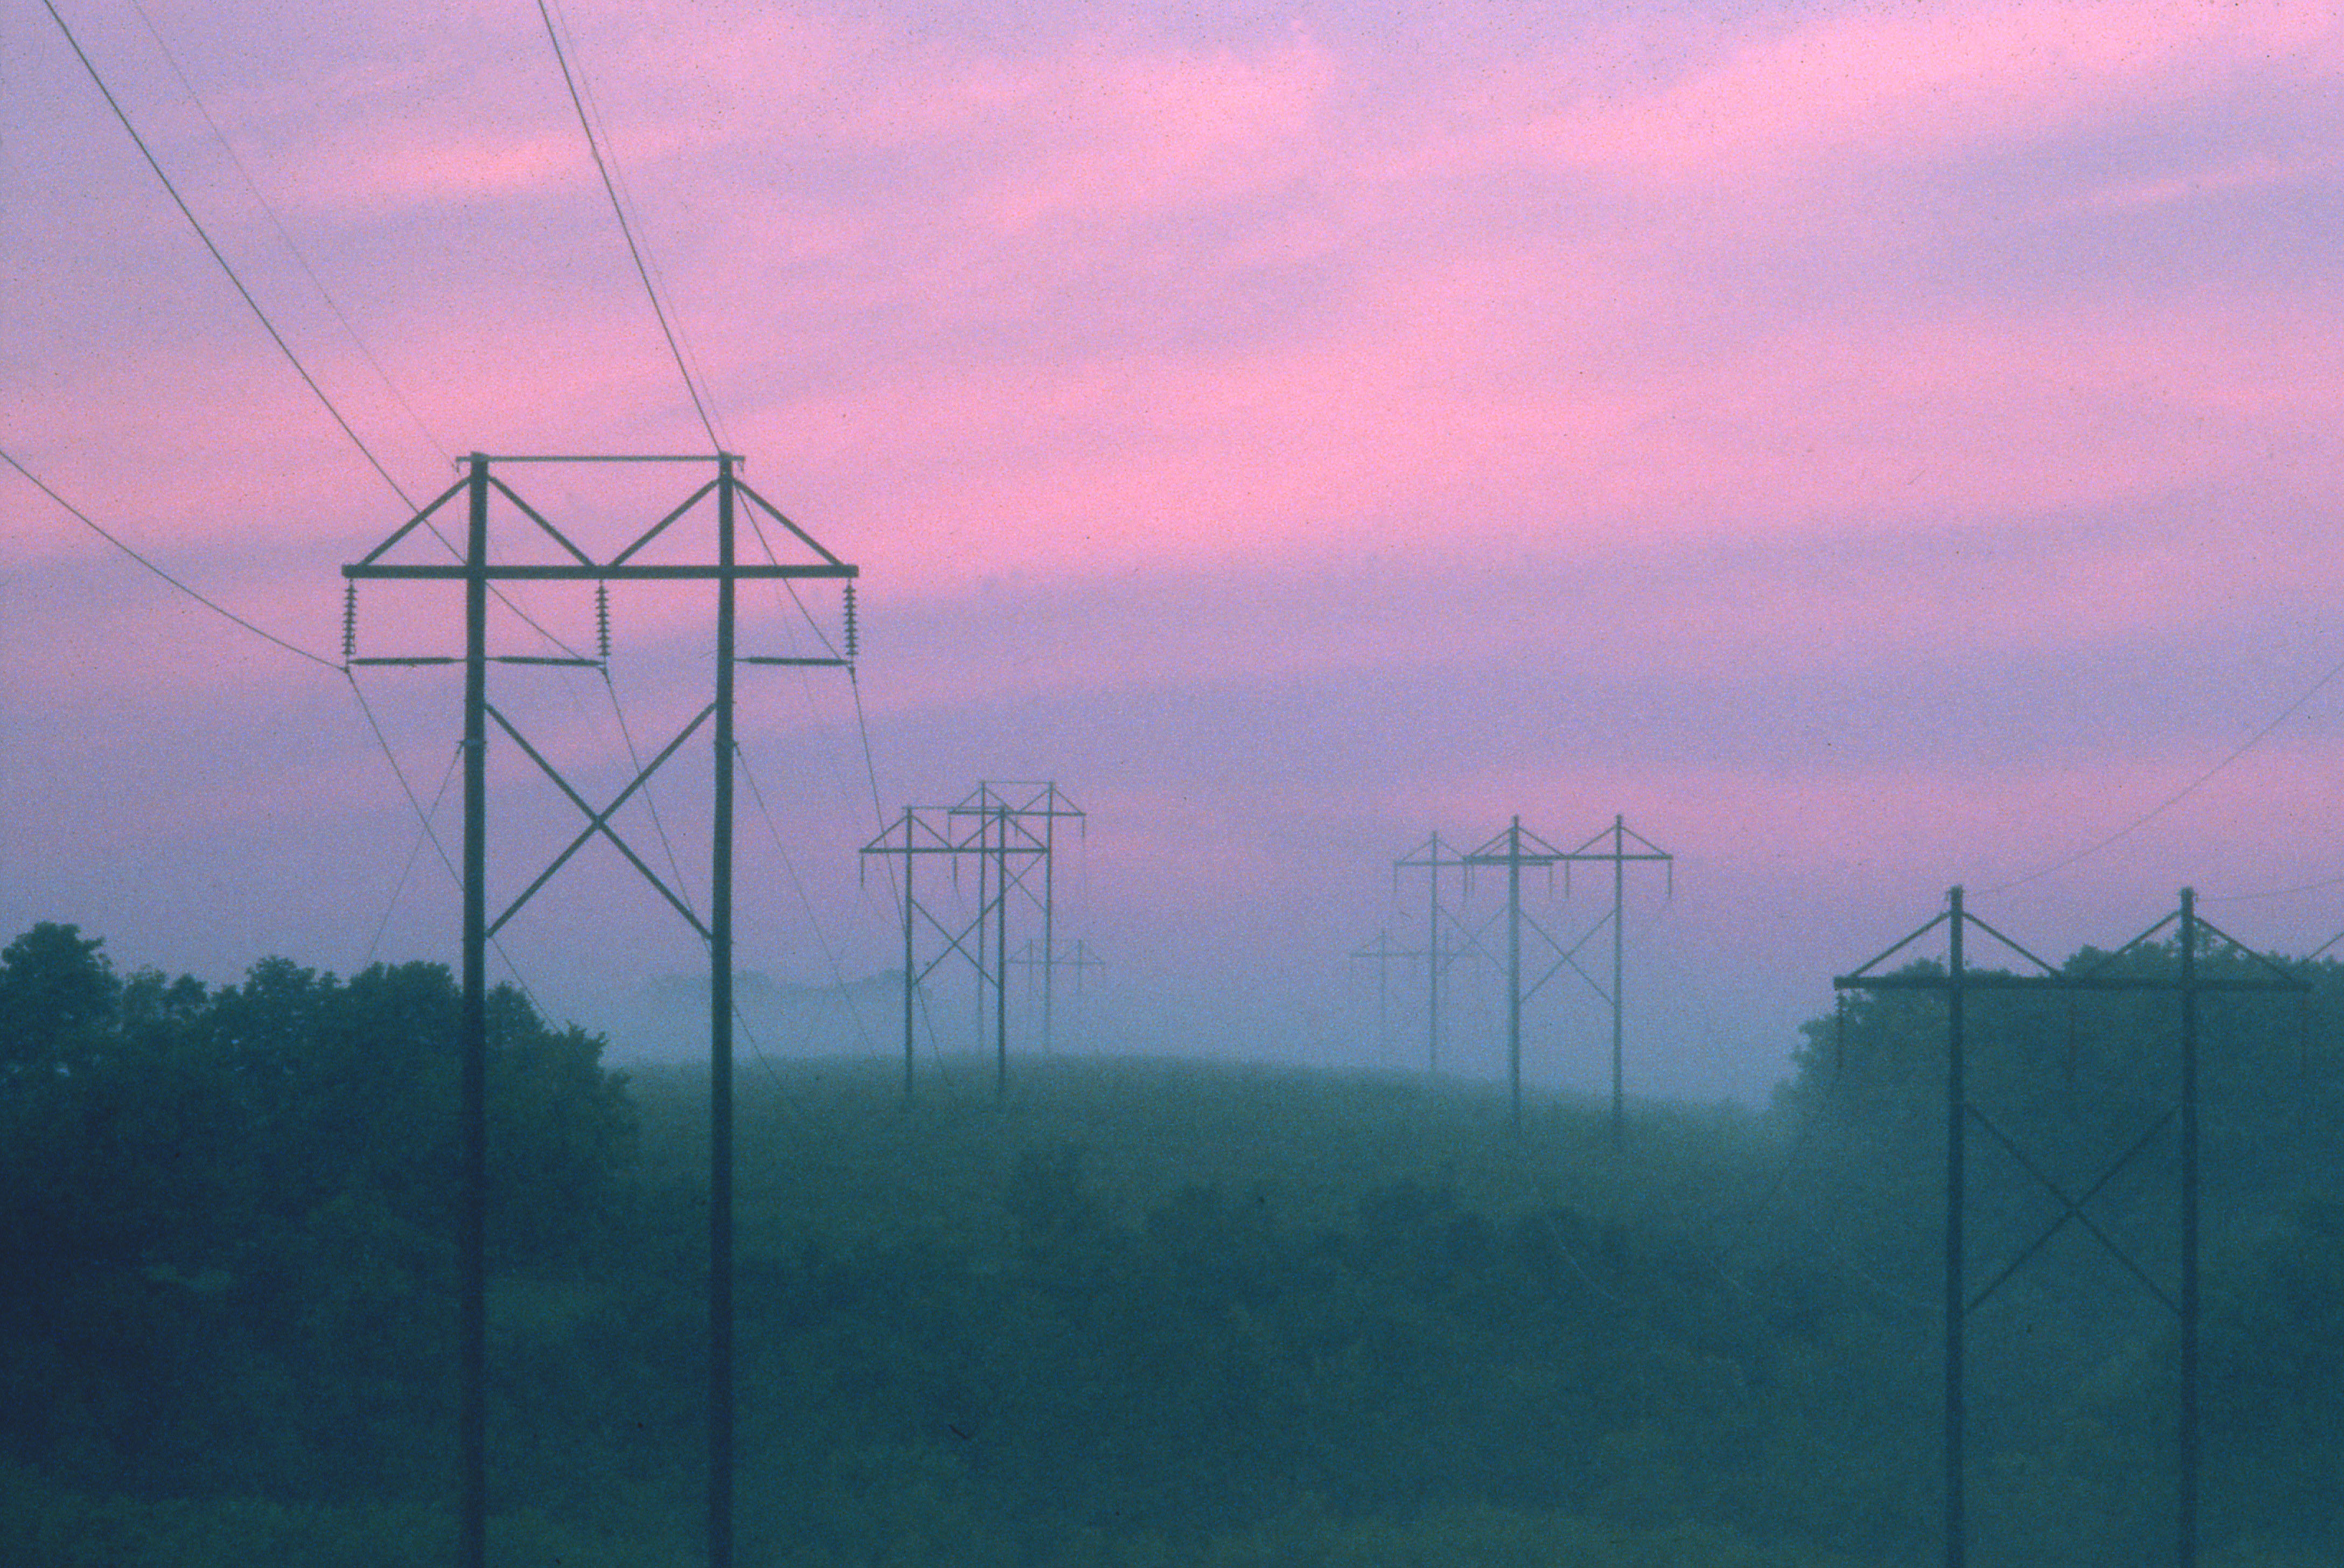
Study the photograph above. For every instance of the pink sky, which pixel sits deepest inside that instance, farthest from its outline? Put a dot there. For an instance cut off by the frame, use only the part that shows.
(1870, 447)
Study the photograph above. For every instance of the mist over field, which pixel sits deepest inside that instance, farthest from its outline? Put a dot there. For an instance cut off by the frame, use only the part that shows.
(1147, 1312)
(1331, 471)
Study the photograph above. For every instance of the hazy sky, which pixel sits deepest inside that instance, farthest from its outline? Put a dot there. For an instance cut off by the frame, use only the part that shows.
(1871, 447)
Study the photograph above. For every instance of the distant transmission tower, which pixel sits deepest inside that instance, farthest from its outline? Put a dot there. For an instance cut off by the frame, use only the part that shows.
(1619, 854)
(925, 832)
(1075, 956)
(1438, 953)
(1024, 801)
(1382, 954)
(992, 826)
(651, 557)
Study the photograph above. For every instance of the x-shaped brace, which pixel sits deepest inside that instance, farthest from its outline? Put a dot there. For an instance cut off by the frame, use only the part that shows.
(600, 822)
(1567, 957)
(954, 943)
(2073, 1208)
(1473, 936)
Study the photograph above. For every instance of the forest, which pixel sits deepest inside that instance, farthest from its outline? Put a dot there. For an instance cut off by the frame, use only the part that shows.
(1146, 1312)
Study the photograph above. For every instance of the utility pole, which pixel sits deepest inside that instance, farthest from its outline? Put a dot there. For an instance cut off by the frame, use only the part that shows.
(480, 485)
(1381, 953)
(1507, 848)
(1429, 858)
(2121, 970)
(1004, 850)
(1619, 854)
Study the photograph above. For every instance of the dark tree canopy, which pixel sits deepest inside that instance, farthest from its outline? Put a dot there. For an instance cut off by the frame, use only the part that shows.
(55, 989)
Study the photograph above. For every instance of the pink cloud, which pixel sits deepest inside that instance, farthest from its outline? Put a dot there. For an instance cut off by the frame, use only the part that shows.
(1885, 86)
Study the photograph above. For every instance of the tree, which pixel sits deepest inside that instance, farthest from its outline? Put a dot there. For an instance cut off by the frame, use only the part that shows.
(55, 989)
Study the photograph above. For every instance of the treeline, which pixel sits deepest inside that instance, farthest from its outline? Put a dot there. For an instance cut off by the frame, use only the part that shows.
(231, 1216)
(1144, 1315)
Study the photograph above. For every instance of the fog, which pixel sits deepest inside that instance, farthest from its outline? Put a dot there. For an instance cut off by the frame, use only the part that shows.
(1867, 450)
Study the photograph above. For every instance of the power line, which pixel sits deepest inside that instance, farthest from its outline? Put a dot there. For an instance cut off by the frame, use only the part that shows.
(830, 956)
(2177, 796)
(201, 233)
(282, 234)
(408, 870)
(262, 316)
(625, 228)
(627, 198)
(2272, 892)
(424, 818)
(871, 769)
(217, 609)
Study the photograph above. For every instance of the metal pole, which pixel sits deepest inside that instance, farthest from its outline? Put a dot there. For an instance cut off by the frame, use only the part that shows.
(2188, 1553)
(1050, 925)
(1383, 996)
(472, 1290)
(1001, 961)
(908, 859)
(1514, 965)
(984, 930)
(720, 1059)
(1619, 903)
(1433, 968)
(1956, 1106)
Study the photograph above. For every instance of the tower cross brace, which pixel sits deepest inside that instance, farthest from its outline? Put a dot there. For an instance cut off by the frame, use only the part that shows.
(479, 572)
(1954, 983)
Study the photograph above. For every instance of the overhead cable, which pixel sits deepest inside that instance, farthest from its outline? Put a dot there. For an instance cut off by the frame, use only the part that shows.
(594, 147)
(85, 520)
(277, 224)
(201, 233)
(267, 325)
(424, 819)
(2177, 796)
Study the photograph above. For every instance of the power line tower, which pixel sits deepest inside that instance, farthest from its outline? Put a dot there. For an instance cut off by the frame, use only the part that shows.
(1004, 849)
(1515, 849)
(1025, 800)
(650, 557)
(1619, 854)
(1382, 954)
(2118, 971)
(1428, 857)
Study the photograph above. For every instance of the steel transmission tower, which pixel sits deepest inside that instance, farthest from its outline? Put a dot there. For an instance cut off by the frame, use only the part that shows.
(2111, 973)
(983, 828)
(1429, 858)
(648, 558)
(1619, 854)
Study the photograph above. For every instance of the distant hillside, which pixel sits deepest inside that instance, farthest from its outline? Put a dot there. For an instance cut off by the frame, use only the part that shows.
(666, 1019)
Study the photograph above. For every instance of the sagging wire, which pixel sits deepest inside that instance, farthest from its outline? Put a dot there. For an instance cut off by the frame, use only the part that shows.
(424, 818)
(220, 609)
(267, 326)
(830, 957)
(408, 870)
(277, 224)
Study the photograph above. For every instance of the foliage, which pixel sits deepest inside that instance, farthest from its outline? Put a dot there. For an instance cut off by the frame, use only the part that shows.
(1143, 1314)
(231, 1214)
